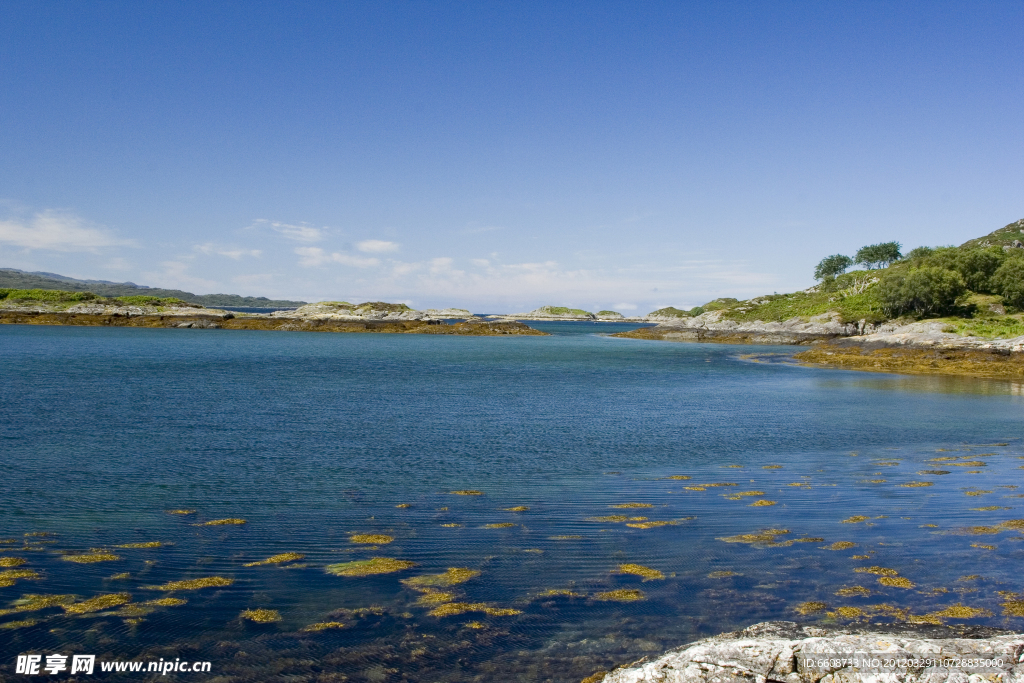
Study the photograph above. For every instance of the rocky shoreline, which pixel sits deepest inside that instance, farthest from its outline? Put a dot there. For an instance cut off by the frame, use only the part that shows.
(784, 652)
(916, 348)
(387, 318)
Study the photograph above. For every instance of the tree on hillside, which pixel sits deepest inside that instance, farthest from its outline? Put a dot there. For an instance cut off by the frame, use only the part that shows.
(831, 266)
(925, 291)
(878, 255)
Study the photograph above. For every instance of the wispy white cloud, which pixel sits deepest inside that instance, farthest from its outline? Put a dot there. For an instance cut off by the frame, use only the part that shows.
(175, 275)
(298, 233)
(625, 307)
(211, 249)
(376, 246)
(58, 231)
(315, 256)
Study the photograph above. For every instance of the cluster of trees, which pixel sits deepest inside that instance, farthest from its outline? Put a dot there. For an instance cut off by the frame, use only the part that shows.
(871, 256)
(929, 281)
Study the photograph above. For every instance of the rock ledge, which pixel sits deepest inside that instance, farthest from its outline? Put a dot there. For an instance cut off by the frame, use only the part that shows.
(784, 652)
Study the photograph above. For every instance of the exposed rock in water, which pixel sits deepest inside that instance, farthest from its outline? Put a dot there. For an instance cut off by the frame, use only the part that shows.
(784, 652)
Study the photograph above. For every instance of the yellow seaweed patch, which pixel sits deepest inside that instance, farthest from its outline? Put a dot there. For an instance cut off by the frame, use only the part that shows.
(976, 493)
(376, 565)
(855, 519)
(680, 477)
(25, 623)
(276, 559)
(474, 625)
(1013, 608)
(990, 508)
(632, 505)
(119, 577)
(166, 602)
(451, 525)
(324, 626)
(799, 483)
(99, 603)
(609, 518)
(772, 467)
(695, 488)
(765, 537)
(980, 530)
(195, 584)
(455, 608)
(876, 481)
(840, 545)
(811, 607)
(848, 612)
(721, 575)
(262, 616)
(983, 546)
(134, 611)
(451, 577)
(853, 590)
(929, 526)
(32, 603)
(498, 525)
(223, 522)
(735, 467)
(518, 508)
(181, 512)
(809, 539)
(648, 525)
(971, 463)
(90, 558)
(1013, 524)
(620, 595)
(722, 483)
(148, 544)
(11, 561)
(896, 582)
(466, 492)
(371, 539)
(861, 557)
(880, 571)
(916, 484)
(400, 505)
(565, 537)
(434, 597)
(560, 592)
(762, 503)
(935, 472)
(959, 611)
(647, 573)
(10, 576)
(739, 495)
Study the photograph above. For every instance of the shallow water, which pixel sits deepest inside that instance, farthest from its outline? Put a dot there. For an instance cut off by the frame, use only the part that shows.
(313, 438)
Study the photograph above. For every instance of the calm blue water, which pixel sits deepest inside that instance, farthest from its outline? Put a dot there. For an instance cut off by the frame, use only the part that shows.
(313, 438)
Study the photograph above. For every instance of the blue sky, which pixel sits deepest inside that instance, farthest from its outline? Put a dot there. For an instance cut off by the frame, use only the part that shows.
(500, 156)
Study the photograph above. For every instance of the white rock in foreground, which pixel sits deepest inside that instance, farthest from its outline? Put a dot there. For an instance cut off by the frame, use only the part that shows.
(786, 653)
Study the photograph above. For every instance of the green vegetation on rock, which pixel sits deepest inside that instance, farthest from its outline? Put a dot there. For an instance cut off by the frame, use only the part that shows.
(57, 296)
(562, 310)
(977, 288)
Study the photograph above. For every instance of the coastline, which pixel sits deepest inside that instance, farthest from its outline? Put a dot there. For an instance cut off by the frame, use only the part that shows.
(913, 348)
(214, 319)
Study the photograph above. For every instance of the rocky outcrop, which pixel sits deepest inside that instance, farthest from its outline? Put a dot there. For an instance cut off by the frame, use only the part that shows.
(711, 327)
(372, 310)
(929, 335)
(784, 652)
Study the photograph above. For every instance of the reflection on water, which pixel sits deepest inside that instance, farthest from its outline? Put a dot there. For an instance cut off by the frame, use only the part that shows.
(256, 502)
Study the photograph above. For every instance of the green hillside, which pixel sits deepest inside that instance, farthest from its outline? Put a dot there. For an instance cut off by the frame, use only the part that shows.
(11, 278)
(977, 288)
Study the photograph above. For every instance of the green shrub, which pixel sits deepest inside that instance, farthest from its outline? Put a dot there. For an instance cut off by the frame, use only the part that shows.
(50, 295)
(144, 300)
(928, 290)
(976, 265)
(718, 304)
(1008, 280)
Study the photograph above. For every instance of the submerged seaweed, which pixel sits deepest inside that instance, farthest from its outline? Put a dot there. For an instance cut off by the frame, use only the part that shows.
(371, 539)
(647, 573)
(376, 565)
(276, 559)
(223, 522)
(453, 576)
(262, 616)
(195, 584)
(620, 595)
(90, 558)
(97, 604)
(323, 626)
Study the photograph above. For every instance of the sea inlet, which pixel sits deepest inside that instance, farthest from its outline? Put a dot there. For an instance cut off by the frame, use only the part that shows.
(341, 507)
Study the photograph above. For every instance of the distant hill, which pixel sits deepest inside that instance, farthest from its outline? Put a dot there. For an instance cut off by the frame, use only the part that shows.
(1004, 236)
(19, 279)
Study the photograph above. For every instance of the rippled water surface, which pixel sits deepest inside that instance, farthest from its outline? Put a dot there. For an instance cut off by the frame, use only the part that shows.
(599, 499)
